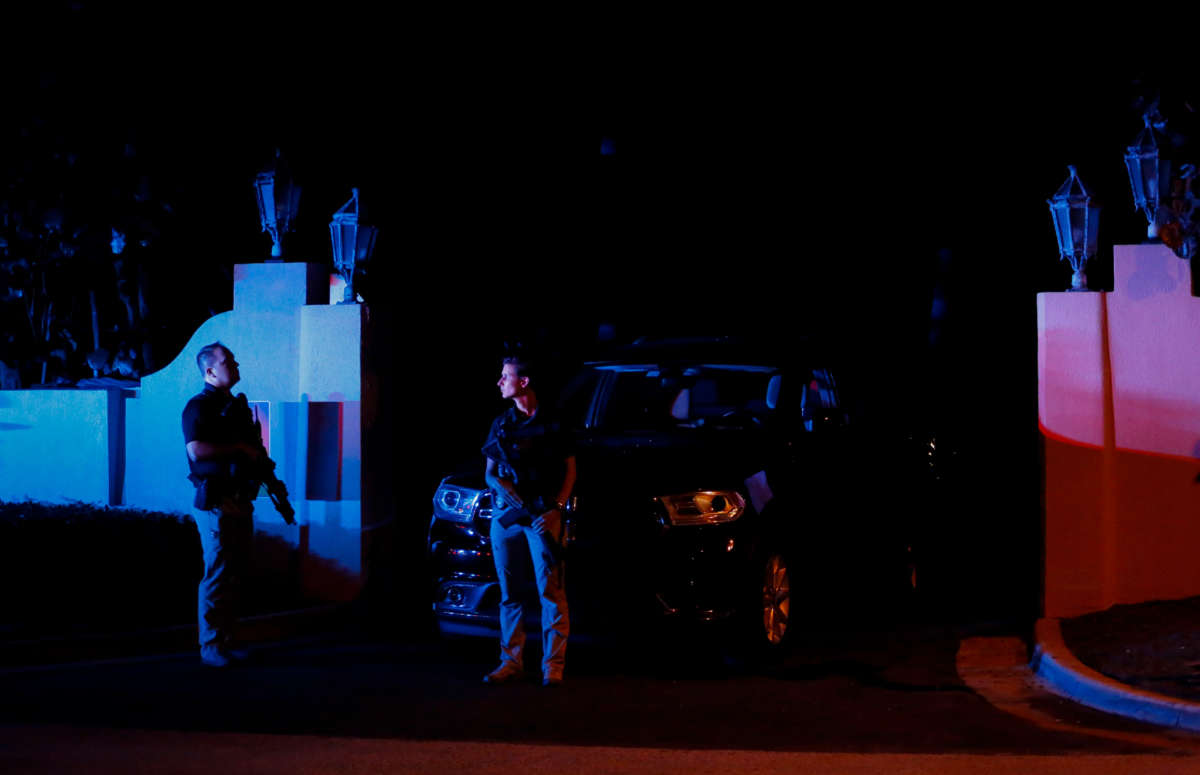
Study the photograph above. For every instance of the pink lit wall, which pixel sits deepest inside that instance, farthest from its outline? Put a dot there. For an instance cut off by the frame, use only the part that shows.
(1119, 410)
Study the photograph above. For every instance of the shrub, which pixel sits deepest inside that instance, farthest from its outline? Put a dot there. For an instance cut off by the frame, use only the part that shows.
(67, 568)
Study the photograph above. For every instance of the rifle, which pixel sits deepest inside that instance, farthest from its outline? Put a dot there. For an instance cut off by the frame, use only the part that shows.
(276, 489)
(263, 469)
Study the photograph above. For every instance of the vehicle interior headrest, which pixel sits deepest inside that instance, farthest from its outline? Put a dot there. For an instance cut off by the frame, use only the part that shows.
(774, 386)
(681, 404)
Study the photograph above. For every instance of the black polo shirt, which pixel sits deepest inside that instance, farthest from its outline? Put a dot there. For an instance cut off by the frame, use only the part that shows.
(532, 451)
(212, 416)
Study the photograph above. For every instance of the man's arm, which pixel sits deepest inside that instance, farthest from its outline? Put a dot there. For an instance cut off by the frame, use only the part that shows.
(197, 420)
(552, 519)
(208, 450)
(492, 476)
(568, 485)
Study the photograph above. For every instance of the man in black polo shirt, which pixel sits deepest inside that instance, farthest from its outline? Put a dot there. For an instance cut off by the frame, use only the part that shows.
(531, 472)
(222, 441)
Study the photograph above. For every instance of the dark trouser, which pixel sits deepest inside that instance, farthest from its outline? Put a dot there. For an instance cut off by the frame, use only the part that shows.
(226, 535)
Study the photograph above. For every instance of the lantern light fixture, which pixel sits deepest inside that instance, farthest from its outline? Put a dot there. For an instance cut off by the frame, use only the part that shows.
(353, 243)
(278, 201)
(1148, 173)
(1076, 224)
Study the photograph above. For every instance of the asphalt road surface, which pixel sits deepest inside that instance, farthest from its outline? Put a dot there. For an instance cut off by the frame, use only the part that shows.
(349, 703)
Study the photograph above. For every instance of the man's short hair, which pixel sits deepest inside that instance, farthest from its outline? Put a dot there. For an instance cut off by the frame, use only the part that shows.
(524, 367)
(208, 355)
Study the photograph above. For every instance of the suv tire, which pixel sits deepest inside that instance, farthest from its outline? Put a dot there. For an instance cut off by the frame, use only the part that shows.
(774, 601)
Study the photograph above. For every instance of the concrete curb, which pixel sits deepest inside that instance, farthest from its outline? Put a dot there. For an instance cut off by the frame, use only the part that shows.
(1059, 669)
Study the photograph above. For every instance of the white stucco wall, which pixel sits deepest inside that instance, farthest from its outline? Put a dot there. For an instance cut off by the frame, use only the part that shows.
(54, 445)
(304, 361)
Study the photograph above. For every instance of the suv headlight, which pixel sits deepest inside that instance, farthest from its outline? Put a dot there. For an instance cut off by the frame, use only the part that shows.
(708, 507)
(456, 504)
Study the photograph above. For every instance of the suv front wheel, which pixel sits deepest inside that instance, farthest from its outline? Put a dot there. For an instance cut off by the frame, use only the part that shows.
(775, 600)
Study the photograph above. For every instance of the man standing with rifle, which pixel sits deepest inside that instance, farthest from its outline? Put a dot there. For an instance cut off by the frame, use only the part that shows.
(530, 470)
(228, 466)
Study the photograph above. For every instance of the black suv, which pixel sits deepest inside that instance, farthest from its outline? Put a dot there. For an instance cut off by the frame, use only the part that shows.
(716, 484)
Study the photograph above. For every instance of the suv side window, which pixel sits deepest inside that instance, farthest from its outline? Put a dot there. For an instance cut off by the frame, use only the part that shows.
(821, 403)
(575, 401)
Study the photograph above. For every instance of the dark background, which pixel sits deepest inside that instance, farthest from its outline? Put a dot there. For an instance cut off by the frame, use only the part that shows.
(757, 188)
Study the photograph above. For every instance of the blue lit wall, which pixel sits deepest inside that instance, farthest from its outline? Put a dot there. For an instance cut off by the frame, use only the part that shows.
(303, 359)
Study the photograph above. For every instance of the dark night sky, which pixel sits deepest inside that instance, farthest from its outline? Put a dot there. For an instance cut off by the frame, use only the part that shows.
(478, 157)
(794, 178)
(758, 185)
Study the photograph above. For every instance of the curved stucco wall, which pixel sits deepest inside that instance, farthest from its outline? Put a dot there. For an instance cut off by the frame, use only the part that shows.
(156, 465)
(301, 362)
